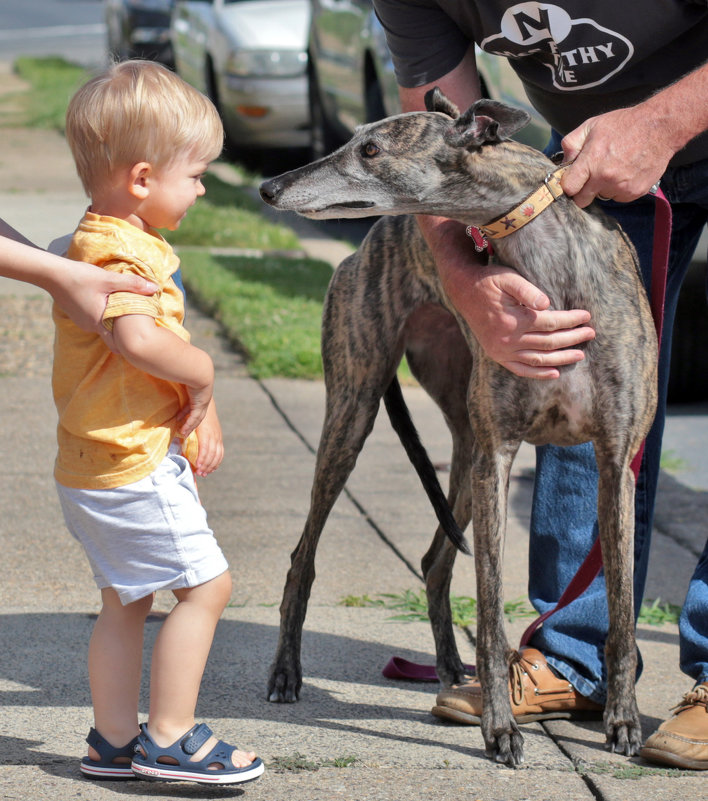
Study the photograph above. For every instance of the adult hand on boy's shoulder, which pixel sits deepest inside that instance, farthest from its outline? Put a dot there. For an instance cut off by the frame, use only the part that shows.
(211, 444)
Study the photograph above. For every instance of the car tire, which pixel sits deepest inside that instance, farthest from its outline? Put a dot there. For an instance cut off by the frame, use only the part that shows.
(375, 109)
(323, 140)
(212, 92)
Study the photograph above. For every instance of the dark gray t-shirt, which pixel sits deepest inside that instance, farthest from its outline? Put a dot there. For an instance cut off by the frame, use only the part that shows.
(576, 58)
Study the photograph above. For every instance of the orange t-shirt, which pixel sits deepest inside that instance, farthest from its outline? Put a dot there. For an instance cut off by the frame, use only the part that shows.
(116, 422)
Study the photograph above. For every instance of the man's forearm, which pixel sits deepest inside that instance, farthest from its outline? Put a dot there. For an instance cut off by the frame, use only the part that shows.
(681, 109)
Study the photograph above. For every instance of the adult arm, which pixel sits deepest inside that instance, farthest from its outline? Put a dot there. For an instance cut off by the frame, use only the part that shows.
(508, 315)
(161, 353)
(81, 290)
(623, 153)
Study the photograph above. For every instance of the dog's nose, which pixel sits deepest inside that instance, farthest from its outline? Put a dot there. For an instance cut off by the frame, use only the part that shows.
(269, 191)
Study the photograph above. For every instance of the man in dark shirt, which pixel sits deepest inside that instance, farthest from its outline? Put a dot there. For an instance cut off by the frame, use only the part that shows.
(627, 99)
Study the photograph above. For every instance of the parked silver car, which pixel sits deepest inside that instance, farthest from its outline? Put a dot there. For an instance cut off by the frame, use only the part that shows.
(249, 57)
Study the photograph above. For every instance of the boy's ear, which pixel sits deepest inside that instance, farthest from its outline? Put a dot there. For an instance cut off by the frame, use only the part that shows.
(138, 179)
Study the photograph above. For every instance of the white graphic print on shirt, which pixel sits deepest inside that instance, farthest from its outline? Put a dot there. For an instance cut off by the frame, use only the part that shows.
(549, 32)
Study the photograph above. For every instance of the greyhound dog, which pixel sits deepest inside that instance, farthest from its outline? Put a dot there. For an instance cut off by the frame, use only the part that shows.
(387, 299)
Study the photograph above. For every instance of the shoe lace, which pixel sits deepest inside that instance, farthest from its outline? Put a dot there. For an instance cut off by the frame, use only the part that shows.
(520, 667)
(516, 677)
(698, 696)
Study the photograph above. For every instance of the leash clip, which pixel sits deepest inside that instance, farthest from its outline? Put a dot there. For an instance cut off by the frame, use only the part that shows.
(553, 184)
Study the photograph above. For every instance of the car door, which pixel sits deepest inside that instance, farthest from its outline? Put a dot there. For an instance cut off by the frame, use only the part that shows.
(192, 22)
(339, 45)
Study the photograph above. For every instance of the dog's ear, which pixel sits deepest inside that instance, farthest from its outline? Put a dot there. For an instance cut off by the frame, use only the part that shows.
(486, 121)
(435, 100)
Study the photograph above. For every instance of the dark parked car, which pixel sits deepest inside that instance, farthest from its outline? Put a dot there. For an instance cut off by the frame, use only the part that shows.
(139, 29)
(352, 82)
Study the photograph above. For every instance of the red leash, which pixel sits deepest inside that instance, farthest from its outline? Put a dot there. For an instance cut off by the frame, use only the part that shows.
(398, 668)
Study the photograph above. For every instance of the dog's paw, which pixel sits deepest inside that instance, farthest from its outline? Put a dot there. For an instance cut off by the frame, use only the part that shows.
(507, 749)
(503, 742)
(622, 729)
(625, 739)
(284, 687)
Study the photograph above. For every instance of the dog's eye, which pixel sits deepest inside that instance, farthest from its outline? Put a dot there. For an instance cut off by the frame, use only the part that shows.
(369, 150)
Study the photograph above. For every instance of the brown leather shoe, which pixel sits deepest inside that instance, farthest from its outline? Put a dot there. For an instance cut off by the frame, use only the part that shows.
(536, 694)
(682, 740)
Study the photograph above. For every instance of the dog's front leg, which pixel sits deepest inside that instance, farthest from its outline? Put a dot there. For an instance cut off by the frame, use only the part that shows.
(502, 739)
(616, 524)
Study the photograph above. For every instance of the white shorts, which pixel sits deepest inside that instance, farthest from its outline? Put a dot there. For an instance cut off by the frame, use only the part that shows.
(145, 536)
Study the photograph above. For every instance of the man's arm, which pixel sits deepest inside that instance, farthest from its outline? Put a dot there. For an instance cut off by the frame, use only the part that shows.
(625, 166)
(81, 290)
(508, 315)
(161, 353)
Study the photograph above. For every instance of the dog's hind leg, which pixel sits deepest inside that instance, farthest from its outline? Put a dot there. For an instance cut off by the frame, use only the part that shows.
(440, 359)
(616, 525)
(437, 567)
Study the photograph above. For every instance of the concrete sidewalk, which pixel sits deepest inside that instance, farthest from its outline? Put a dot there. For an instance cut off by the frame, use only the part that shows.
(257, 502)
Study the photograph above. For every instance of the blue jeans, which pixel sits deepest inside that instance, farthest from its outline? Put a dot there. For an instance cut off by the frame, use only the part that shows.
(564, 515)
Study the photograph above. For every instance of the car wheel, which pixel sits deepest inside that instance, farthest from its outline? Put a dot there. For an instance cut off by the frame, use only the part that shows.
(375, 109)
(322, 138)
(115, 45)
(212, 91)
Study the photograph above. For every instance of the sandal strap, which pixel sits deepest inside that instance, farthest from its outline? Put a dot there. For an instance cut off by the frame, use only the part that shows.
(195, 738)
(105, 750)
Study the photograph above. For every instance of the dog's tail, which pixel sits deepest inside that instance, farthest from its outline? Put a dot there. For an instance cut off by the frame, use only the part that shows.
(403, 426)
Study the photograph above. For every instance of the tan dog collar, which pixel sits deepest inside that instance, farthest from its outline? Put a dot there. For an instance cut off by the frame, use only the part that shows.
(526, 211)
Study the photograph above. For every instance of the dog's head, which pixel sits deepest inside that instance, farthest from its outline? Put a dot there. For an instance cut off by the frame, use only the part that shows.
(414, 162)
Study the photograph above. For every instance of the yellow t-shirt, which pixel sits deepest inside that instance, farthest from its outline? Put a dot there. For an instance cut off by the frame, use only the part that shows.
(116, 422)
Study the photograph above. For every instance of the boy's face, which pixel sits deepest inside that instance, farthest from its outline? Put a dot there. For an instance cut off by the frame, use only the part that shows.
(173, 190)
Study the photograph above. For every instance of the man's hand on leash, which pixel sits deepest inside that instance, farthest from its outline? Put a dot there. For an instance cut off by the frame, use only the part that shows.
(617, 156)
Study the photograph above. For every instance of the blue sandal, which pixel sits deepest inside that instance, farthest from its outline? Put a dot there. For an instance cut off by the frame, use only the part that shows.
(106, 767)
(146, 763)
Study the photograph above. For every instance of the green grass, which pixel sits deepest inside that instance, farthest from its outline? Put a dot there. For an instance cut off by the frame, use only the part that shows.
(52, 83)
(269, 307)
(412, 606)
(656, 613)
(296, 763)
(672, 462)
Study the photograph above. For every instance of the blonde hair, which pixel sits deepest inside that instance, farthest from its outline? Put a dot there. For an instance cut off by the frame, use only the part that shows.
(138, 111)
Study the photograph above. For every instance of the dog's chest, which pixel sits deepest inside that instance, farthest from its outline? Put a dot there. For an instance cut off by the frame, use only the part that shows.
(563, 411)
(542, 412)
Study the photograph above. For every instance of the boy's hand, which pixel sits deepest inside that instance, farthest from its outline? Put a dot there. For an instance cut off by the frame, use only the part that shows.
(211, 445)
(193, 414)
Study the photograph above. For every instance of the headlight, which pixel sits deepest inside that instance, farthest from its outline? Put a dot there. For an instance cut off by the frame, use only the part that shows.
(267, 63)
(149, 35)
